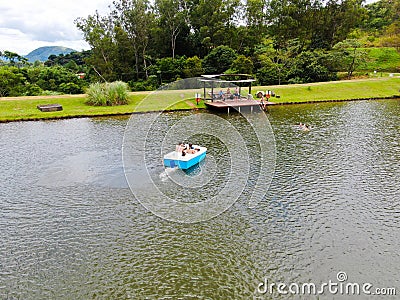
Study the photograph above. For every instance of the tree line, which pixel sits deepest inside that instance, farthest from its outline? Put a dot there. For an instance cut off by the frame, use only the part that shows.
(149, 43)
(277, 40)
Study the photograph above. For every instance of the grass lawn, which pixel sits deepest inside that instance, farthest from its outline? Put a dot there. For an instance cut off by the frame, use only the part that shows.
(20, 108)
(24, 108)
(336, 90)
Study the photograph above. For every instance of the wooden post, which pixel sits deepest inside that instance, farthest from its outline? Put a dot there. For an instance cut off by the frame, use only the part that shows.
(212, 91)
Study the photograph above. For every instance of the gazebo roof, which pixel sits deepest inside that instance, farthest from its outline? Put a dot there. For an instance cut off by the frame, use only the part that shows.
(216, 78)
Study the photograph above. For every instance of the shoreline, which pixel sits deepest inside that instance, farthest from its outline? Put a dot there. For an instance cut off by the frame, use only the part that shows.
(16, 109)
(52, 118)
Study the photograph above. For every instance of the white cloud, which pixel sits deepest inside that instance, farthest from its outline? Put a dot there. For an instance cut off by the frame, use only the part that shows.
(26, 25)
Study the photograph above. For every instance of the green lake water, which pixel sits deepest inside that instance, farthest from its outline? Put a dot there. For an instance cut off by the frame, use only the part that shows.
(70, 227)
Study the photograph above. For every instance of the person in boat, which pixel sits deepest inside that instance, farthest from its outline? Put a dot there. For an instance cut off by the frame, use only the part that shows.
(180, 147)
(191, 149)
(185, 148)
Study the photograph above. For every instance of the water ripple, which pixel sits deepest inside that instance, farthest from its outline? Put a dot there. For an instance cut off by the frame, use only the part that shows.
(71, 229)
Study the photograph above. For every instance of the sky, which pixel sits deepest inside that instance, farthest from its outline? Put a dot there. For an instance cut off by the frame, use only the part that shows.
(29, 24)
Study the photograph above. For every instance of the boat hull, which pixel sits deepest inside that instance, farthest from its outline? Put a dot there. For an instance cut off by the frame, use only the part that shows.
(174, 159)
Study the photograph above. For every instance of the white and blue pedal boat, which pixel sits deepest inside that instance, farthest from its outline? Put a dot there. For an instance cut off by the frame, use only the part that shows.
(176, 159)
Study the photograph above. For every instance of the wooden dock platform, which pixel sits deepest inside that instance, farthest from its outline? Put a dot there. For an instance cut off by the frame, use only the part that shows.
(236, 105)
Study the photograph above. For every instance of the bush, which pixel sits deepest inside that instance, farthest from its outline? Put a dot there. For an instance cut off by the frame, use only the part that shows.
(117, 93)
(107, 94)
(148, 85)
(33, 90)
(70, 88)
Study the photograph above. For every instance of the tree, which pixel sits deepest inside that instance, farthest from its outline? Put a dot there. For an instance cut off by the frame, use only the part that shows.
(213, 20)
(14, 58)
(11, 82)
(309, 66)
(193, 67)
(349, 55)
(291, 19)
(98, 32)
(334, 22)
(169, 68)
(219, 60)
(392, 36)
(381, 14)
(315, 23)
(277, 58)
(136, 20)
(173, 17)
(241, 65)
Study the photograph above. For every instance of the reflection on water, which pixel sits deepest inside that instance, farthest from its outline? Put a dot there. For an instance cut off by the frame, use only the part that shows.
(70, 227)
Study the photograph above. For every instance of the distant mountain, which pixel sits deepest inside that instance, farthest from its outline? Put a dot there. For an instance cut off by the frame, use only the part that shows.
(43, 53)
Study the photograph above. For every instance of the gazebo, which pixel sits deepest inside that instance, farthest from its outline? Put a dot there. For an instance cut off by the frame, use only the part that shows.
(220, 100)
(215, 81)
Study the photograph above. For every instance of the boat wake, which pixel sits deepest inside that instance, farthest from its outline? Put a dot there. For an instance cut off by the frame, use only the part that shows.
(167, 173)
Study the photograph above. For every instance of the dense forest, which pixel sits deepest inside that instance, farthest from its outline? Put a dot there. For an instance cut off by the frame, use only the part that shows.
(148, 43)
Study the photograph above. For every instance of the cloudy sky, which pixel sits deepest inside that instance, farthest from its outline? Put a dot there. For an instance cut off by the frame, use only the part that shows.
(28, 24)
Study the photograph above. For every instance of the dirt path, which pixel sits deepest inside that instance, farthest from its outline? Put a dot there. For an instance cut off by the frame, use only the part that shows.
(58, 96)
(270, 87)
(190, 104)
(41, 97)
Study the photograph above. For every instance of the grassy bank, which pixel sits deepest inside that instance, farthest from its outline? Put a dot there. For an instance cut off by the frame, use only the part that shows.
(20, 108)
(338, 90)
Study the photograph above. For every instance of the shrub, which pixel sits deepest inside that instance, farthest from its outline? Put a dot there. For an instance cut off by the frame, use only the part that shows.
(148, 85)
(107, 94)
(33, 90)
(117, 93)
(70, 88)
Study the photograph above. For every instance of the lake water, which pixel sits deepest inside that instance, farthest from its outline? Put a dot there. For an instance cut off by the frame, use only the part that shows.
(70, 227)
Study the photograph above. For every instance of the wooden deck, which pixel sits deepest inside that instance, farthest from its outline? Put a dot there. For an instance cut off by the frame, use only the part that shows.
(235, 104)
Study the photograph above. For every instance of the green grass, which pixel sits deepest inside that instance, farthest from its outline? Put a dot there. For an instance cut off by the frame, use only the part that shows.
(25, 108)
(337, 90)
(382, 59)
